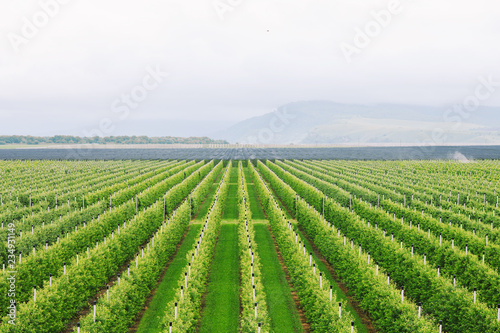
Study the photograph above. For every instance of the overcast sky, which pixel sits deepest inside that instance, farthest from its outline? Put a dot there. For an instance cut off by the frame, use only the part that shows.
(67, 67)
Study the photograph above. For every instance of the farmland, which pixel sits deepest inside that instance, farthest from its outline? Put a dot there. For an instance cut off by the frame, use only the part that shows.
(271, 245)
(244, 152)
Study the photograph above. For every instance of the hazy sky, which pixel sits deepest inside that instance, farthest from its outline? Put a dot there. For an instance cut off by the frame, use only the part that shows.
(73, 66)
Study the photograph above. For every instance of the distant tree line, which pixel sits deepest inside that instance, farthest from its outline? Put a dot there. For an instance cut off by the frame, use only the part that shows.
(69, 139)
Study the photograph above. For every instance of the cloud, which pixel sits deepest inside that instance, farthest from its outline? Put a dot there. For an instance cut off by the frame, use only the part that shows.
(261, 55)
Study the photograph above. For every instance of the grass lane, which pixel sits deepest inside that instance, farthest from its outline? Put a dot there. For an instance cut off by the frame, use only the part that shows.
(222, 302)
(231, 211)
(282, 309)
(233, 176)
(152, 318)
(255, 206)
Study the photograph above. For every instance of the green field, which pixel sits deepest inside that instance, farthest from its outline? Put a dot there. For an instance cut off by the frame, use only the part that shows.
(282, 309)
(151, 321)
(407, 246)
(221, 310)
(203, 209)
(341, 296)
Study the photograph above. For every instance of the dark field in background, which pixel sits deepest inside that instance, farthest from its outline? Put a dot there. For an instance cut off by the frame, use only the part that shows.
(353, 153)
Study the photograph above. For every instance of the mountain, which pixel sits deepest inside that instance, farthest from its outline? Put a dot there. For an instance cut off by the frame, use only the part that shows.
(325, 122)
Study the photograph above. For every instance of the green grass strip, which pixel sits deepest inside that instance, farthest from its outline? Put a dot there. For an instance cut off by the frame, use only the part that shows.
(233, 177)
(151, 321)
(222, 305)
(255, 206)
(231, 211)
(282, 309)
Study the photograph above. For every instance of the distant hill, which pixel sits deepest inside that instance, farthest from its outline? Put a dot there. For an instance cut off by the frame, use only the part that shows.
(325, 122)
(68, 139)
